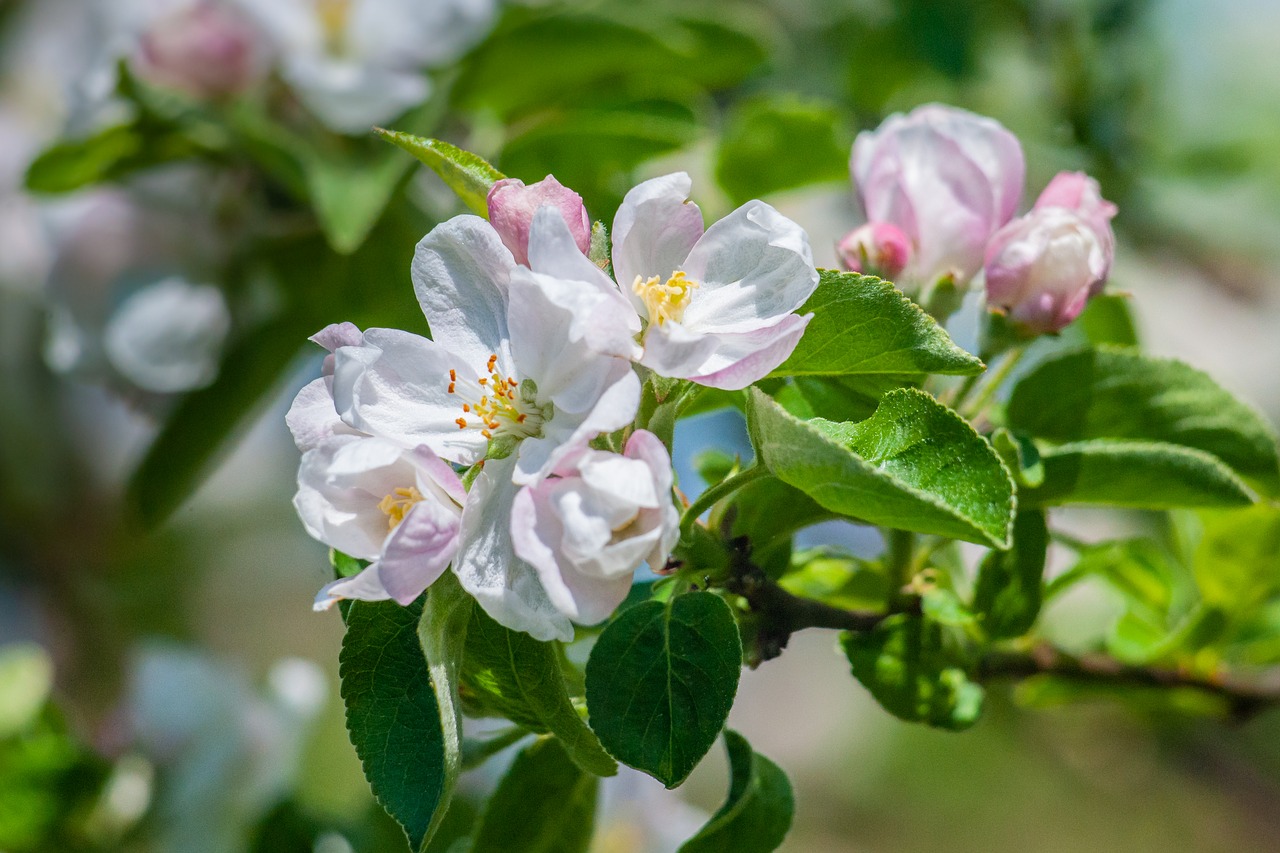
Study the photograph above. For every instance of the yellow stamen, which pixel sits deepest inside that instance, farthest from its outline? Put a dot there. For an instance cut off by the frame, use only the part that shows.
(665, 301)
(396, 504)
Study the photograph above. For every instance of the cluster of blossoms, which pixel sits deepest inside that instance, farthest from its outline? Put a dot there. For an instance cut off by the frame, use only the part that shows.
(530, 383)
(940, 187)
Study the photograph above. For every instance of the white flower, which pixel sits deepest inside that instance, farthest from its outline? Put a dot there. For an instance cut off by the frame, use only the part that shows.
(168, 336)
(720, 305)
(312, 418)
(400, 509)
(588, 528)
(357, 63)
(514, 372)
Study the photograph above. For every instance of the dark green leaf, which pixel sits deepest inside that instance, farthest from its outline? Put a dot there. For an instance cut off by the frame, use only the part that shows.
(1135, 474)
(769, 512)
(1007, 595)
(393, 716)
(468, 175)
(781, 142)
(661, 680)
(510, 674)
(757, 813)
(107, 155)
(545, 804)
(1107, 320)
(913, 465)
(904, 664)
(837, 398)
(864, 325)
(1115, 393)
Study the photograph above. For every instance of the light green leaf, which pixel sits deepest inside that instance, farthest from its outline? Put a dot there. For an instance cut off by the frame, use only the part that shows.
(1007, 594)
(510, 674)
(905, 666)
(1021, 457)
(349, 196)
(393, 716)
(545, 804)
(1237, 562)
(1107, 319)
(776, 143)
(26, 678)
(467, 174)
(864, 325)
(913, 465)
(76, 163)
(1143, 475)
(661, 680)
(1118, 393)
(757, 813)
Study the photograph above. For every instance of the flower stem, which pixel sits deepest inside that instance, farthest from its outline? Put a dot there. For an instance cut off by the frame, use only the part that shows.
(994, 381)
(714, 493)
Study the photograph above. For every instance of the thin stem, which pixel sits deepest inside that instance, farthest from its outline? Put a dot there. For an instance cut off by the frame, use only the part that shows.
(994, 380)
(714, 493)
(901, 548)
(956, 399)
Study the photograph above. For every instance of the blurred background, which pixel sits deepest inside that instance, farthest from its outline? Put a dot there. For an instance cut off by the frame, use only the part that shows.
(188, 189)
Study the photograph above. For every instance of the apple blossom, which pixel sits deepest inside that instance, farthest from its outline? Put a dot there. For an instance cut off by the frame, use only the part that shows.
(1080, 193)
(720, 305)
(356, 63)
(373, 500)
(587, 528)
(512, 206)
(1043, 267)
(208, 49)
(947, 178)
(518, 372)
(312, 417)
(876, 248)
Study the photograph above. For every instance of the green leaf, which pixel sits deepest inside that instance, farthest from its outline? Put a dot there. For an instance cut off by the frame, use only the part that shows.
(1007, 594)
(467, 174)
(757, 813)
(1021, 457)
(72, 164)
(769, 511)
(780, 142)
(26, 679)
(1116, 393)
(545, 804)
(913, 465)
(836, 398)
(864, 325)
(661, 680)
(510, 674)
(1135, 474)
(1237, 561)
(349, 195)
(1107, 320)
(393, 715)
(904, 664)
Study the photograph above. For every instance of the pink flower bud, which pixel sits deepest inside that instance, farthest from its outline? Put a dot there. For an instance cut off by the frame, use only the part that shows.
(1043, 267)
(876, 248)
(947, 178)
(208, 50)
(512, 206)
(1080, 193)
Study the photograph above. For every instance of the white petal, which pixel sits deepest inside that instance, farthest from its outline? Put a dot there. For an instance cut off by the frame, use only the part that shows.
(167, 337)
(753, 265)
(336, 513)
(741, 358)
(396, 387)
(654, 230)
(418, 550)
(460, 275)
(506, 587)
(350, 96)
(672, 349)
(366, 586)
(312, 417)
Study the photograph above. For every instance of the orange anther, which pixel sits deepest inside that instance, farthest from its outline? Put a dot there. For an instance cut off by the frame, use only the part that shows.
(461, 422)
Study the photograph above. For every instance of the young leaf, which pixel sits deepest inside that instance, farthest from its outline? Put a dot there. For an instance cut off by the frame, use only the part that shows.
(904, 665)
(1237, 561)
(467, 174)
(758, 151)
(661, 680)
(757, 813)
(1007, 594)
(1118, 393)
(511, 674)
(864, 325)
(1143, 475)
(913, 465)
(393, 715)
(349, 196)
(545, 804)
(109, 154)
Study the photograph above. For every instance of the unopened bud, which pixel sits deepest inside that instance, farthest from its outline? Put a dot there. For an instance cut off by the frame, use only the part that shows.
(876, 248)
(512, 206)
(208, 50)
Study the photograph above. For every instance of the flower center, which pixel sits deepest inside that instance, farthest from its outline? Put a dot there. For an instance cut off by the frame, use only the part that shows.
(498, 406)
(333, 15)
(665, 301)
(396, 504)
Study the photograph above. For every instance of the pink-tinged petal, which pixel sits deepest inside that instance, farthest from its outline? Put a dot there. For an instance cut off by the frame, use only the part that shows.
(486, 564)
(512, 207)
(337, 335)
(671, 349)
(312, 417)
(460, 275)
(613, 408)
(754, 265)
(876, 248)
(538, 534)
(418, 550)
(1082, 195)
(654, 230)
(396, 386)
(335, 511)
(207, 50)
(741, 358)
(366, 586)
(441, 475)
